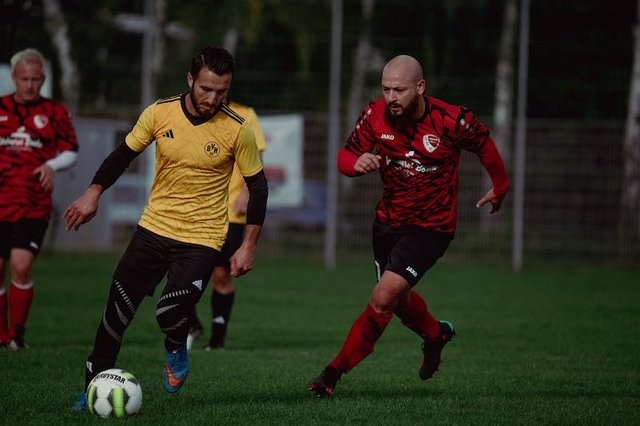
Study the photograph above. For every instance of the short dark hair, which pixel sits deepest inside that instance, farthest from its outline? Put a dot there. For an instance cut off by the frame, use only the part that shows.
(216, 59)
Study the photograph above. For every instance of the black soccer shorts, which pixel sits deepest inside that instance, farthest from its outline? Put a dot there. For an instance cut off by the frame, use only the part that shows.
(409, 251)
(231, 244)
(150, 256)
(26, 234)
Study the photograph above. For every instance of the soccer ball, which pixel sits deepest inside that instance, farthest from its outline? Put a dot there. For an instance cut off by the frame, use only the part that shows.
(114, 392)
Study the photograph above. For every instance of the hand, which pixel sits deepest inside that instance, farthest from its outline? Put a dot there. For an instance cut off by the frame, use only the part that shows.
(83, 209)
(490, 197)
(242, 261)
(367, 162)
(46, 176)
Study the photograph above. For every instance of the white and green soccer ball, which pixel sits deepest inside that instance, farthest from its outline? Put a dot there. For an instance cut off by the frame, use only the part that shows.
(114, 393)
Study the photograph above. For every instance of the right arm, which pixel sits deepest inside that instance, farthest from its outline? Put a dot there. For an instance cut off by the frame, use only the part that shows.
(351, 165)
(85, 208)
(356, 158)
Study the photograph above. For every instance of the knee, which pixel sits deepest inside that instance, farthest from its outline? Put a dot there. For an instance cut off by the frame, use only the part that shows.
(171, 312)
(21, 270)
(383, 301)
(21, 261)
(222, 280)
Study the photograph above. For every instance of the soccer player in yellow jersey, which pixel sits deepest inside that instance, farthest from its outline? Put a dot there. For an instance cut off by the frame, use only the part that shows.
(184, 224)
(223, 292)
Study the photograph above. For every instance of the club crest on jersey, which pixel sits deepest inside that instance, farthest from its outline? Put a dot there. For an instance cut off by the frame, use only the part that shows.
(430, 142)
(40, 121)
(211, 149)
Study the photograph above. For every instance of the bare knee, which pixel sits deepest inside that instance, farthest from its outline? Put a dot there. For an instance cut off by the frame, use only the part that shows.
(21, 263)
(390, 292)
(222, 281)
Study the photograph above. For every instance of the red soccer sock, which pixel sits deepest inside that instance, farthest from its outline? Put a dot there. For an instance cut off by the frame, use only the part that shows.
(4, 316)
(364, 333)
(416, 316)
(20, 298)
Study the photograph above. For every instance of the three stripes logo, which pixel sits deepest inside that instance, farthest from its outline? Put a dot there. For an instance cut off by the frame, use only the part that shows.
(168, 134)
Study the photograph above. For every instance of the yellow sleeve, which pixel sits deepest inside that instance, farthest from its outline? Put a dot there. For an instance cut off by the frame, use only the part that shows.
(254, 124)
(246, 152)
(142, 134)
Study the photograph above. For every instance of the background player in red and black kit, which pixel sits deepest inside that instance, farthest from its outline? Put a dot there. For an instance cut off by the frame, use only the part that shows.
(417, 141)
(37, 139)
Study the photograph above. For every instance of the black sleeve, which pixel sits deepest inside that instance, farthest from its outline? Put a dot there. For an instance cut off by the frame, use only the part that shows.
(114, 165)
(258, 194)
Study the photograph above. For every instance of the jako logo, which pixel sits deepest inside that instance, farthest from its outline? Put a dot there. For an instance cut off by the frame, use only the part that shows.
(387, 137)
(412, 271)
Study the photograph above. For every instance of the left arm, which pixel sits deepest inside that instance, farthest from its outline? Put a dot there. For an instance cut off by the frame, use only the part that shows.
(242, 260)
(474, 137)
(46, 172)
(493, 164)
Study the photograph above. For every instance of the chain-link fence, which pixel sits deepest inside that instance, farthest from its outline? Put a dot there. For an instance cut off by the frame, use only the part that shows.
(572, 201)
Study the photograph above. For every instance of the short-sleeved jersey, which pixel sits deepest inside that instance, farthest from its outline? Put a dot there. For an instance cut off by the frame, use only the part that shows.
(236, 185)
(30, 135)
(194, 161)
(420, 161)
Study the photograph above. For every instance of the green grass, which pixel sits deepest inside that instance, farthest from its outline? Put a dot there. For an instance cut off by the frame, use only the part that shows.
(547, 346)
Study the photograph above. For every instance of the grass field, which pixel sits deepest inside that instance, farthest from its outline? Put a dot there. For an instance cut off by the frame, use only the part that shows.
(546, 346)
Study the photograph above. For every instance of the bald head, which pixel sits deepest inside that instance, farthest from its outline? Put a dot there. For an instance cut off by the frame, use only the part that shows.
(404, 66)
(403, 87)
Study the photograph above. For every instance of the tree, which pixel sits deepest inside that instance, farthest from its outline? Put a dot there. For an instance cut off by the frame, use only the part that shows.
(56, 25)
(630, 218)
(503, 107)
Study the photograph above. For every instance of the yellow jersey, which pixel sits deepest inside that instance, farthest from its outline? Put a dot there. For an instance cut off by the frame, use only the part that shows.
(188, 201)
(236, 185)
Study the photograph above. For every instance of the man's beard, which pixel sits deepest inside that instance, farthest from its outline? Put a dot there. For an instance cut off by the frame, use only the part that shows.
(198, 108)
(407, 113)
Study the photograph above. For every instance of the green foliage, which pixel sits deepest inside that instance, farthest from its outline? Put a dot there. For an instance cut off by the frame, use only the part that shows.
(547, 346)
(580, 56)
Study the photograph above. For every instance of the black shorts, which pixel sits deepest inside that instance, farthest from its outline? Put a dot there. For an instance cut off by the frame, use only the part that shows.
(231, 244)
(26, 234)
(408, 251)
(150, 256)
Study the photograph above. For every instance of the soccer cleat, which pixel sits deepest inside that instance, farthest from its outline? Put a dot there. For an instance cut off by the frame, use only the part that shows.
(325, 383)
(432, 349)
(81, 404)
(4, 346)
(194, 333)
(213, 346)
(176, 368)
(17, 341)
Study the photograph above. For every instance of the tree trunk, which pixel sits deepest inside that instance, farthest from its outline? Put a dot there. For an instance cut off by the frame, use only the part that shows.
(503, 109)
(629, 228)
(56, 27)
(363, 62)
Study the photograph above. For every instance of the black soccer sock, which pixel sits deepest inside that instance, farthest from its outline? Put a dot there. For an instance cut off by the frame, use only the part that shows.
(118, 314)
(221, 305)
(94, 366)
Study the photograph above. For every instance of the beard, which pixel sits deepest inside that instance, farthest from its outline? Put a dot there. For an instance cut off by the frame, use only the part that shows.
(407, 113)
(203, 113)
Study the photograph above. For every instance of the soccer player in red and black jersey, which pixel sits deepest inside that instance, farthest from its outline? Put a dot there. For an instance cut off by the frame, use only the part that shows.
(415, 142)
(37, 139)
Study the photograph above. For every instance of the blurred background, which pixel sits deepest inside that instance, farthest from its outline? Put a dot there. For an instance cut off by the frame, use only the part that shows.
(552, 80)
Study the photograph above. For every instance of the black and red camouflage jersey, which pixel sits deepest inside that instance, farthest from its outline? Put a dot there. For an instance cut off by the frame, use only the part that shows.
(30, 134)
(420, 161)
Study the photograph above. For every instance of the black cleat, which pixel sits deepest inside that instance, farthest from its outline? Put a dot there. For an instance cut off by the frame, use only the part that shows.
(17, 342)
(212, 346)
(325, 383)
(433, 349)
